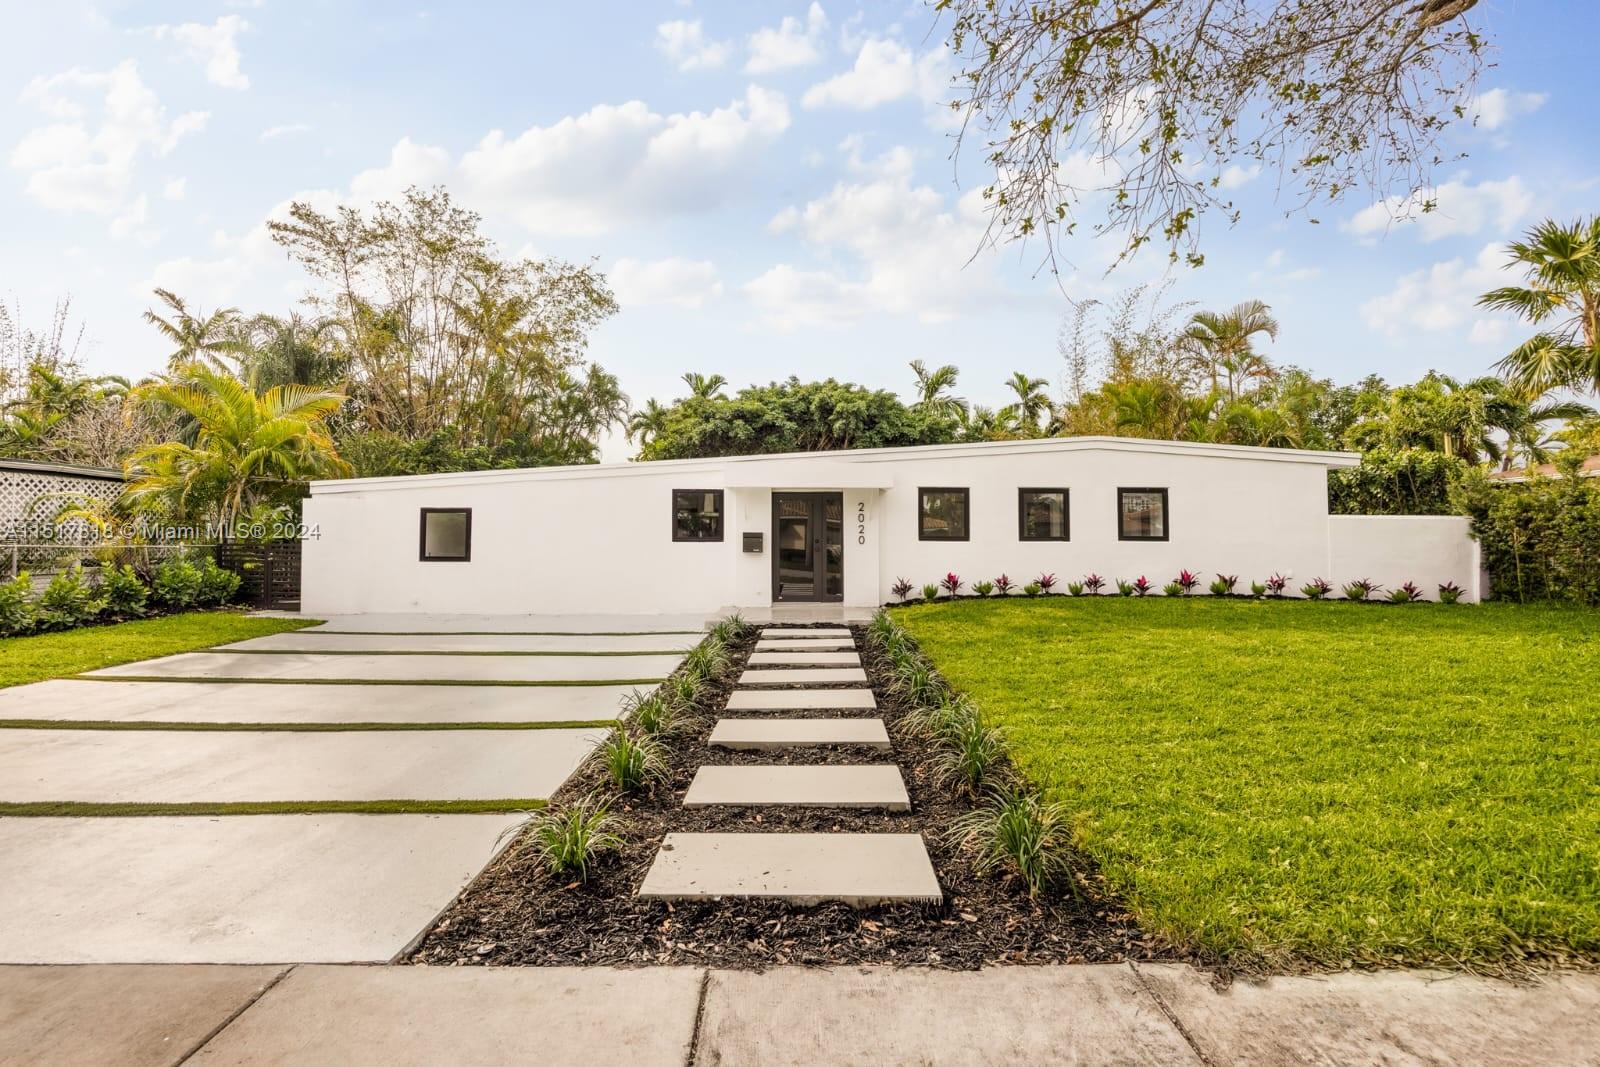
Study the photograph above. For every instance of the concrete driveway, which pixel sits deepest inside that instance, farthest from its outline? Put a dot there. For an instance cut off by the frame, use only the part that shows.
(127, 851)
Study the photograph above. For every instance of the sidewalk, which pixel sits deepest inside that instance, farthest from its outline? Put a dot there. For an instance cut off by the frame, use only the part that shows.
(1108, 1014)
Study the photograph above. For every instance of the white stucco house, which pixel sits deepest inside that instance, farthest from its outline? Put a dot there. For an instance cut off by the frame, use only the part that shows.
(751, 532)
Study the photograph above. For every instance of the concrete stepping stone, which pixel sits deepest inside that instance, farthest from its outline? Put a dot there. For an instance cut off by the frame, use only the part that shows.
(802, 700)
(794, 733)
(861, 870)
(779, 644)
(805, 659)
(804, 676)
(792, 633)
(848, 786)
(465, 644)
(310, 667)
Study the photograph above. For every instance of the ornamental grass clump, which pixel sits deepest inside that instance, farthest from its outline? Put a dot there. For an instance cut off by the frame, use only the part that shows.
(902, 589)
(930, 592)
(970, 755)
(1172, 589)
(933, 721)
(1224, 584)
(653, 713)
(1258, 590)
(571, 839)
(1075, 588)
(632, 762)
(915, 680)
(1124, 588)
(983, 588)
(1017, 830)
(1032, 589)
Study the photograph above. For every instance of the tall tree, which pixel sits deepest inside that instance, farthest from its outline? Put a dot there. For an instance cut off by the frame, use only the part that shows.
(933, 391)
(1222, 342)
(704, 386)
(1562, 295)
(210, 339)
(1032, 408)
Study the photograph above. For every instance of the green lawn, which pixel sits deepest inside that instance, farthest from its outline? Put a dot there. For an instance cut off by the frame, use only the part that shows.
(34, 659)
(1328, 780)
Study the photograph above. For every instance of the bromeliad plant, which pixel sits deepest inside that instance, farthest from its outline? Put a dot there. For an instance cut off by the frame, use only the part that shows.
(1124, 588)
(1002, 585)
(1360, 589)
(1316, 588)
(1449, 593)
(1409, 593)
(1142, 585)
(1094, 583)
(1277, 584)
(1187, 580)
(902, 589)
(1045, 582)
(951, 583)
(1224, 584)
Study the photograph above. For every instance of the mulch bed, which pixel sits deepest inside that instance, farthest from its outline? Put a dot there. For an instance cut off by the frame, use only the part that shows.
(515, 913)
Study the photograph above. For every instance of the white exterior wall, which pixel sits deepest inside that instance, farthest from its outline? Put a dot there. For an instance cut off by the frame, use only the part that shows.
(586, 540)
(1395, 549)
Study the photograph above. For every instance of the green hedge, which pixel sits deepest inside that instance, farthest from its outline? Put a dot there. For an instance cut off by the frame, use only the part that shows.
(74, 598)
(1540, 538)
(1408, 482)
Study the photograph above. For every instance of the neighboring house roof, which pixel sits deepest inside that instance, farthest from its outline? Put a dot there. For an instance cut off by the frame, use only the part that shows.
(1589, 469)
(834, 458)
(65, 470)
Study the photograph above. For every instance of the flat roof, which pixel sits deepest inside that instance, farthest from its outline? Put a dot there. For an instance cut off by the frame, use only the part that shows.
(737, 476)
(67, 470)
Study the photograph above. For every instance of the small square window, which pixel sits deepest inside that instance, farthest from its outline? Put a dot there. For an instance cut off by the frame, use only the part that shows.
(1142, 515)
(697, 514)
(942, 514)
(446, 535)
(1042, 515)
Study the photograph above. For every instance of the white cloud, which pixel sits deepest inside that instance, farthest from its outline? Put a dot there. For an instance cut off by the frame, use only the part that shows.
(1442, 298)
(884, 71)
(1460, 208)
(176, 189)
(409, 164)
(1234, 176)
(686, 45)
(790, 44)
(1497, 107)
(680, 282)
(215, 47)
(88, 165)
(287, 129)
(617, 164)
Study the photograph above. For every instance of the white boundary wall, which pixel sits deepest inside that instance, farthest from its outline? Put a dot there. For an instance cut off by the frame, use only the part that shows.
(599, 539)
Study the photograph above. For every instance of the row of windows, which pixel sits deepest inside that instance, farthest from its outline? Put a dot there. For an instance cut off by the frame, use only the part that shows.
(943, 514)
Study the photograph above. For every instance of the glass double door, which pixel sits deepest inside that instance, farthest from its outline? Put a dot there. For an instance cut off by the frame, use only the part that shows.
(808, 546)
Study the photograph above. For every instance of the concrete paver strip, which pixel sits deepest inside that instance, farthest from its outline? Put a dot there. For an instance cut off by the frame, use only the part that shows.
(171, 767)
(427, 1015)
(1385, 1017)
(791, 733)
(804, 676)
(327, 641)
(789, 633)
(779, 644)
(409, 668)
(244, 889)
(820, 786)
(514, 624)
(802, 700)
(1000, 1016)
(805, 659)
(858, 869)
(137, 1016)
(212, 702)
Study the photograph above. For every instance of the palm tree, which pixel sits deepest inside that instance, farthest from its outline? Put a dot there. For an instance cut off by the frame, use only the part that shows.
(250, 449)
(933, 387)
(704, 386)
(290, 351)
(646, 424)
(1562, 267)
(1221, 341)
(1033, 403)
(198, 339)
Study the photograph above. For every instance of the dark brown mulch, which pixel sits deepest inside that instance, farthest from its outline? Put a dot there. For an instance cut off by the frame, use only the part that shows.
(515, 913)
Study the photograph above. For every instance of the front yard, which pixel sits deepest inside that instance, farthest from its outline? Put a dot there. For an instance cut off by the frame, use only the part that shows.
(1328, 781)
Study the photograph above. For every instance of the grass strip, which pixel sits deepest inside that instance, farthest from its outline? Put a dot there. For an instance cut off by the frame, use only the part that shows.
(500, 633)
(364, 681)
(426, 652)
(294, 727)
(89, 809)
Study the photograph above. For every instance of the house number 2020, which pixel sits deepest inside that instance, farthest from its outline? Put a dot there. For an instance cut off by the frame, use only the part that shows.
(861, 522)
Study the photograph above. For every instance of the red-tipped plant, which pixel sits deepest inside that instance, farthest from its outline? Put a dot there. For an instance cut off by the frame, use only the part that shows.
(902, 589)
(1046, 582)
(1142, 585)
(950, 583)
(1094, 583)
(1187, 580)
(1276, 585)
(1449, 593)
(1224, 584)
(1317, 588)
(1002, 585)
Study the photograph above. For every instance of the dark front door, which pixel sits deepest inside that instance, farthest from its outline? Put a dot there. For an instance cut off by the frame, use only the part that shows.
(808, 546)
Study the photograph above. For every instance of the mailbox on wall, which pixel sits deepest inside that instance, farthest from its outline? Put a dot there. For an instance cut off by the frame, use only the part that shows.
(752, 542)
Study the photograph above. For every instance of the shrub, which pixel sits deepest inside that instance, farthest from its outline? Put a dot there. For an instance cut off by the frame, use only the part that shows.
(1541, 537)
(938, 719)
(902, 589)
(571, 839)
(730, 629)
(916, 681)
(1408, 482)
(217, 584)
(1141, 585)
(930, 592)
(1277, 584)
(69, 600)
(1449, 593)
(1075, 588)
(652, 713)
(632, 763)
(970, 754)
(1360, 589)
(1257, 590)
(1017, 830)
(1003, 584)
(1408, 593)
(16, 606)
(1187, 580)
(124, 593)
(1124, 588)
(1172, 589)
(683, 691)
(176, 584)
(1045, 582)
(1032, 589)
(951, 583)
(1224, 585)
(707, 661)
(983, 588)
(1094, 583)
(1316, 588)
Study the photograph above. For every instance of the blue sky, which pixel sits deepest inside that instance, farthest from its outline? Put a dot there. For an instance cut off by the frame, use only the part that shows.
(769, 185)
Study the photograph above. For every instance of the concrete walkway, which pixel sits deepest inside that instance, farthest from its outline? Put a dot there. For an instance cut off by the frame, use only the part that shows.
(1098, 1014)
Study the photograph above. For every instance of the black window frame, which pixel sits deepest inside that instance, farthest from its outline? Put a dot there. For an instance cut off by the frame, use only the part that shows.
(722, 518)
(966, 511)
(1066, 511)
(1166, 513)
(422, 536)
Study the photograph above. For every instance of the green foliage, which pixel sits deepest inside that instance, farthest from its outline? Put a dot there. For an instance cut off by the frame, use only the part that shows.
(632, 762)
(17, 614)
(1360, 589)
(1407, 482)
(1019, 830)
(1075, 588)
(970, 754)
(125, 593)
(930, 592)
(1257, 589)
(1316, 588)
(571, 839)
(983, 588)
(217, 584)
(1032, 589)
(1124, 587)
(1172, 589)
(1540, 538)
(176, 584)
(69, 600)
(653, 714)
(1225, 584)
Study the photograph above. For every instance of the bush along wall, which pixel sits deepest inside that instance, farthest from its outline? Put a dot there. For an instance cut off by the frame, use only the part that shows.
(1540, 538)
(78, 597)
(1407, 482)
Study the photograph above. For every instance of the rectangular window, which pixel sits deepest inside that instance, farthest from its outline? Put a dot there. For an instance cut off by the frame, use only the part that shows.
(1142, 515)
(1042, 515)
(942, 515)
(446, 535)
(697, 514)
